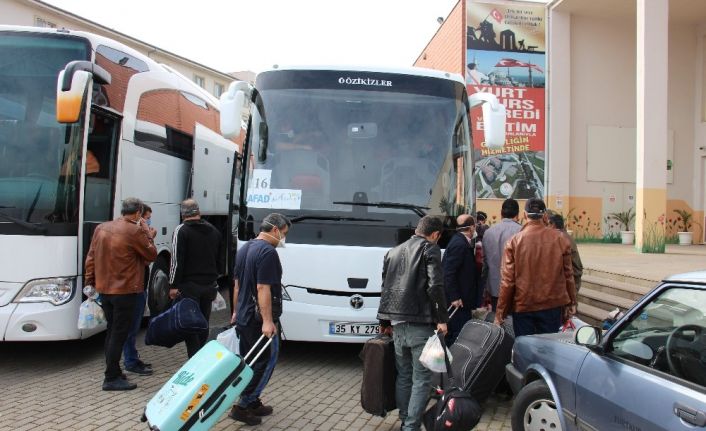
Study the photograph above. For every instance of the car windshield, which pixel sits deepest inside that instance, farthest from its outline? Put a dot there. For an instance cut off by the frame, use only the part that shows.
(328, 150)
(39, 158)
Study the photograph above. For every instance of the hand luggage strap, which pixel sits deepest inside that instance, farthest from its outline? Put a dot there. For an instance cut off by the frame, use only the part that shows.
(449, 373)
(262, 349)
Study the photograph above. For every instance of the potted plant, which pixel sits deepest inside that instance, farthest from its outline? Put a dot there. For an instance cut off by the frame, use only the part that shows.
(685, 237)
(625, 218)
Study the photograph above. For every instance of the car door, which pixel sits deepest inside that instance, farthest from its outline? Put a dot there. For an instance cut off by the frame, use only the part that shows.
(652, 375)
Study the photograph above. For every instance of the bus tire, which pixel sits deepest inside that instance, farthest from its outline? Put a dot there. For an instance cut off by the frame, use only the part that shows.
(158, 288)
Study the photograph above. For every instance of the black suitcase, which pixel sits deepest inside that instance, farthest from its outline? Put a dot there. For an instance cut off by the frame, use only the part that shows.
(377, 391)
(480, 354)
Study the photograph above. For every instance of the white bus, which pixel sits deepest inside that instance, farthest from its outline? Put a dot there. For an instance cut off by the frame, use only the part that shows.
(355, 157)
(85, 122)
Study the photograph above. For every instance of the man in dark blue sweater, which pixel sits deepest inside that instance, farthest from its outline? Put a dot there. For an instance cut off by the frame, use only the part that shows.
(197, 261)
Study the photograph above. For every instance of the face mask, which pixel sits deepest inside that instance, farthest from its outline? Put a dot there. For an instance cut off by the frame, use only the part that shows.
(280, 240)
(148, 221)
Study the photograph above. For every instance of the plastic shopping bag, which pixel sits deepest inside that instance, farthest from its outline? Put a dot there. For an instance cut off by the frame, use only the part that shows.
(433, 355)
(90, 315)
(571, 325)
(229, 339)
(219, 303)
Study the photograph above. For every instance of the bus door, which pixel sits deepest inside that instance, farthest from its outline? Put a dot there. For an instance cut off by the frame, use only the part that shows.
(101, 158)
(211, 171)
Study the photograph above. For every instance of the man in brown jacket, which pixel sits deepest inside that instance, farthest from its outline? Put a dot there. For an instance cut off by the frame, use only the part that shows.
(537, 277)
(115, 265)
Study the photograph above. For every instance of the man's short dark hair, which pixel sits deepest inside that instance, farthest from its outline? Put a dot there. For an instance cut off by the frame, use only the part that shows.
(189, 208)
(131, 206)
(556, 219)
(428, 225)
(481, 216)
(510, 208)
(535, 208)
(274, 220)
(146, 209)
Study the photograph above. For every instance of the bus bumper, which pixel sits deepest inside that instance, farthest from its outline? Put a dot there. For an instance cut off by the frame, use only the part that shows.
(307, 322)
(39, 322)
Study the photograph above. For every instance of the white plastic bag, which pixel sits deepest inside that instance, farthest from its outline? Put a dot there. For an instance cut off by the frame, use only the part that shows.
(219, 303)
(90, 315)
(229, 338)
(433, 355)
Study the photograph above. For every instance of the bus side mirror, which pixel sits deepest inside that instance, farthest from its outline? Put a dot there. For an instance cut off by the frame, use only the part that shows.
(494, 118)
(72, 88)
(231, 109)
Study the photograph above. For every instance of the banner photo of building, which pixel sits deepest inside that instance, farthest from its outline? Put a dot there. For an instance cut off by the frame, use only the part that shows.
(505, 56)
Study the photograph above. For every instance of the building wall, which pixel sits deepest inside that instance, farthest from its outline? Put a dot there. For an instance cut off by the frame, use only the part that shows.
(445, 51)
(33, 13)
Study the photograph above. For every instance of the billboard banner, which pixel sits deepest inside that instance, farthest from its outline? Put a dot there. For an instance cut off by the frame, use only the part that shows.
(506, 56)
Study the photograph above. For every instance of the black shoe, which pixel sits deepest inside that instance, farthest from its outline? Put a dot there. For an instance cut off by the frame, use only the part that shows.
(139, 369)
(258, 409)
(244, 415)
(144, 364)
(118, 384)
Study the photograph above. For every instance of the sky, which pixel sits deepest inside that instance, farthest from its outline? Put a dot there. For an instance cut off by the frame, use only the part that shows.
(236, 35)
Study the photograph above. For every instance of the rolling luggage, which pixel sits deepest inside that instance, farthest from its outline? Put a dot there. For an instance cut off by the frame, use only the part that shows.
(202, 390)
(168, 328)
(377, 392)
(480, 354)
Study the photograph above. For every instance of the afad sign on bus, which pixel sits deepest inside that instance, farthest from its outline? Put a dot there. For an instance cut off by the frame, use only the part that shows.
(505, 55)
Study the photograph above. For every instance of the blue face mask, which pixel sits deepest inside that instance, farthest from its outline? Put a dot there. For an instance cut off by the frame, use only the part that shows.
(149, 222)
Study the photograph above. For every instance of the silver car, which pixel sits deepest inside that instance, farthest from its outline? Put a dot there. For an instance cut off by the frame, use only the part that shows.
(647, 372)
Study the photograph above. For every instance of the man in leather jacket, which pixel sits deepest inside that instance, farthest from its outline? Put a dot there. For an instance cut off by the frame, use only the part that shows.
(411, 307)
(537, 276)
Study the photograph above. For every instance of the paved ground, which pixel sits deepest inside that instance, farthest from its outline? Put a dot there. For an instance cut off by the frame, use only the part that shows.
(57, 386)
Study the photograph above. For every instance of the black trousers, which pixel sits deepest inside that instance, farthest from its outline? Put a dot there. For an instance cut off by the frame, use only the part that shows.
(119, 311)
(204, 294)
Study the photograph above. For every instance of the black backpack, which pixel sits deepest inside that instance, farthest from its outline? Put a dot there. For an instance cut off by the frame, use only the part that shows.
(457, 410)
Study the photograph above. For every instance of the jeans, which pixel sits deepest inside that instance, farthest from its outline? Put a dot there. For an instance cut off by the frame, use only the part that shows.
(204, 294)
(119, 311)
(265, 365)
(130, 355)
(537, 322)
(413, 379)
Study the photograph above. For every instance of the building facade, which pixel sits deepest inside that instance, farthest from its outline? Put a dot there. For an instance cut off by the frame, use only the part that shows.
(39, 14)
(625, 112)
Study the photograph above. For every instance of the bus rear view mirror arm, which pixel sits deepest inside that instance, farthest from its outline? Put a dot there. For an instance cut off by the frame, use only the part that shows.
(100, 75)
(493, 118)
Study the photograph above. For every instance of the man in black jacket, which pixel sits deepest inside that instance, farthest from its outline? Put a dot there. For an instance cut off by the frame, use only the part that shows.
(460, 274)
(411, 307)
(197, 261)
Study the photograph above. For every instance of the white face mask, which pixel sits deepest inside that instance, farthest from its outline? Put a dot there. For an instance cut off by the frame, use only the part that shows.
(280, 239)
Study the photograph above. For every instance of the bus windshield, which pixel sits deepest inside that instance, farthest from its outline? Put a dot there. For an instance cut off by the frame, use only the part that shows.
(392, 155)
(40, 158)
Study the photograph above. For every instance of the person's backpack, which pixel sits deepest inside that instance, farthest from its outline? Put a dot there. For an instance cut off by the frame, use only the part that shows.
(457, 410)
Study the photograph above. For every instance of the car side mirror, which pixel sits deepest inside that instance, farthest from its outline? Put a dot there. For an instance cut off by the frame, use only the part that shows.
(588, 336)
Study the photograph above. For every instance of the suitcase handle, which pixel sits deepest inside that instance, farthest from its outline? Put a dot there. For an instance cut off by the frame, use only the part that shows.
(454, 312)
(245, 358)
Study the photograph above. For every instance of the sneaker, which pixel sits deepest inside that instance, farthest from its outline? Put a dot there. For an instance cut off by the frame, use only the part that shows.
(118, 384)
(244, 415)
(139, 369)
(258, 409)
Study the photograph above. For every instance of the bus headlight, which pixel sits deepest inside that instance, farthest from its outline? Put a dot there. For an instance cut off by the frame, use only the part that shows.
(57, 291)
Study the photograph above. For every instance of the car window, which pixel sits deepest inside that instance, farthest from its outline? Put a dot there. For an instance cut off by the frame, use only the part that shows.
(668, 334)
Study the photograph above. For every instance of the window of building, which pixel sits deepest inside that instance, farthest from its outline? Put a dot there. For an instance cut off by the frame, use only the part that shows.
(217, 89)
(200, 81)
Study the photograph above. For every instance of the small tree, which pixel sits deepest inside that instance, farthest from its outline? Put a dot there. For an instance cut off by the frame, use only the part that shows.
(625, 218)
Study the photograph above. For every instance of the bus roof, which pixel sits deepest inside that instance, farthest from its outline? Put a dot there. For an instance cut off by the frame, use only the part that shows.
(415, 71)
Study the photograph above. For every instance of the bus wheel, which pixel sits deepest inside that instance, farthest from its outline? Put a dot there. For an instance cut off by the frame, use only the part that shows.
(158, 289)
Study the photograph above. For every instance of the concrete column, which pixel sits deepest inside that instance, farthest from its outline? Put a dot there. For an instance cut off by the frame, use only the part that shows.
(558, 96)
(652, 104)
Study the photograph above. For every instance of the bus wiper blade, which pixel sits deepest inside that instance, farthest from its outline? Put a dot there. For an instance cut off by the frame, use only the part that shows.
(419, 210)
(333, 218)
(22, 223)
